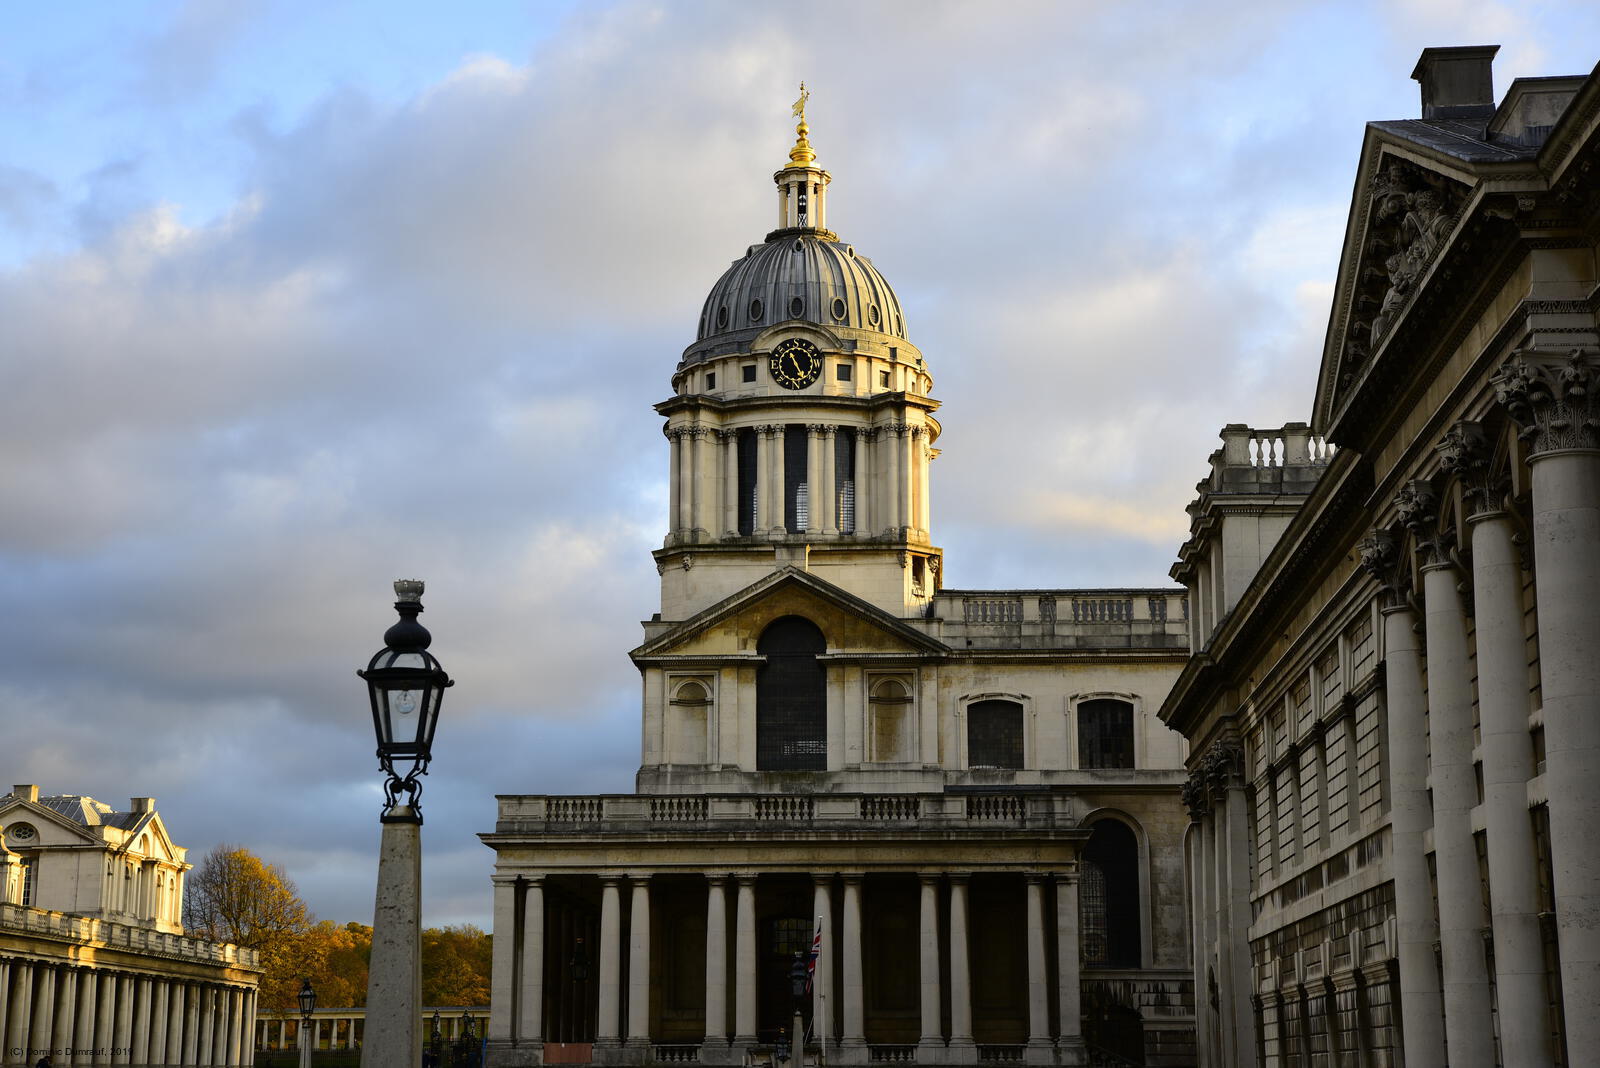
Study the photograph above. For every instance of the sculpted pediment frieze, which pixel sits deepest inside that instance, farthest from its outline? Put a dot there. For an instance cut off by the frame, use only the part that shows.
(1402, 220)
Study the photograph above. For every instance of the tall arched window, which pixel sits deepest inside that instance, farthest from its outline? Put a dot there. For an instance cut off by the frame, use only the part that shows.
(791, 698)
(994, 734)
(1108, 897)
(1105, 734)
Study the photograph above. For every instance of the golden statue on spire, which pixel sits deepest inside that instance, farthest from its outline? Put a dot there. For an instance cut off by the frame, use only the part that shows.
(801, 154)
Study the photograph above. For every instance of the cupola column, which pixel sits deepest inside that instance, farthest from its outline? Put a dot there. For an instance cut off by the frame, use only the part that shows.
(730, 483)
(827, 500)
(674, 481)
(706, 498)
(814, 491)
(908, 474)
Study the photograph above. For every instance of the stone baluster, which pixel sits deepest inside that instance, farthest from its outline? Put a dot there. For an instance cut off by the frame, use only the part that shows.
(503, 961)
(1421, 1006)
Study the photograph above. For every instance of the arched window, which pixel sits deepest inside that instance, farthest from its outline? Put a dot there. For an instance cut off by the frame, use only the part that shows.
(889, 729)
(791, 698)
(994, 734)
(1105, 734)
(1108, 897)
(686, 731)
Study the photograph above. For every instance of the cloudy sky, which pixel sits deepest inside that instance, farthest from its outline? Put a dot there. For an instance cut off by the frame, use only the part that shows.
(298, 298)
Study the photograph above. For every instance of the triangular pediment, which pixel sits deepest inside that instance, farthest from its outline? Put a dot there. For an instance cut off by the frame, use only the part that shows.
(1405, 211)
(731, 627)
(51, 827)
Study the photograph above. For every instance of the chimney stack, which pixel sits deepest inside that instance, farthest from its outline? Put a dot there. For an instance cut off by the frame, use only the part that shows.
(1457, 83)
(27, 791)
(142, 804)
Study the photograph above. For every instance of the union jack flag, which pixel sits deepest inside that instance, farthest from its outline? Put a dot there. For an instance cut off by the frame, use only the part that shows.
(811, 961)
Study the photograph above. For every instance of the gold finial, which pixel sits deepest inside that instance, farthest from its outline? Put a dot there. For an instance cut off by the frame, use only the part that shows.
(801, 155)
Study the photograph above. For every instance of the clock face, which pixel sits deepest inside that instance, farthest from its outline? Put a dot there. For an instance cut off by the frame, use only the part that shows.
(795, 363)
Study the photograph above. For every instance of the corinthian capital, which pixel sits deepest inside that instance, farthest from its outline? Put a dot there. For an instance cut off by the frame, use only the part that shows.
(1417, 504)
(1380, 558)
(1553, 398)
(1464, 452)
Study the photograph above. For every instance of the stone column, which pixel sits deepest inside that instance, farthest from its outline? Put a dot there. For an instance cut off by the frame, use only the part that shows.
(716, 962)
(1502, 664)
(208, 1025)
(704, 482)
(1467, 1021)
(503, 959)
(829, 497)
(1557, 402)
(66, 1010)
(105, 1014)
(21, 1016)
(530, 1027)
(159, 1009)
(176, 1015)
(191, 1024)
(889, 448)
(780, 503)
(1421, 1006)
(1068, 963)
(639, 963)
(675, 481)
(1233, 827)
(814, 478)
(932, 1031)
(1038, 980)
(854, 993)
(822, 978)
(866, 509)
(908, 477)
(744, 1012)
(41, 1029)
(122, 1033)
(924, 481)
(730, 482)
(141, 1021)
(608, 1031)
(1205, 923)
(960, 969)
(83, 1029)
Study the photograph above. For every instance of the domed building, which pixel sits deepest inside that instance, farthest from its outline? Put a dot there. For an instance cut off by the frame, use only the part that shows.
(955, 809)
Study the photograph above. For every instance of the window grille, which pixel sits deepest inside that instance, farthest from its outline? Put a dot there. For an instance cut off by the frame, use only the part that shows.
(1105, 734)
(994, 734)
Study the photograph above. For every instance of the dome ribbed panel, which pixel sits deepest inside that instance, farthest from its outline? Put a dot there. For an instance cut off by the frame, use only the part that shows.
(818, 272)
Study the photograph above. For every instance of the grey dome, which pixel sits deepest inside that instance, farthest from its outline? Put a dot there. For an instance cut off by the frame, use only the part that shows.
(800, 275)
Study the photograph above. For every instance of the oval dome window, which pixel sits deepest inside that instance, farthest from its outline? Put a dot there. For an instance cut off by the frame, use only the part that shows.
(839, 309)
(797, 308)
(755, 311)
(872, 315)
(722, 317)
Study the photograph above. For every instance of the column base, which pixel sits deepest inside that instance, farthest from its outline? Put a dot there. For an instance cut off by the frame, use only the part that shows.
(930, 1051)
(1039, 1051)
(501, 1053)
(1071, 1051)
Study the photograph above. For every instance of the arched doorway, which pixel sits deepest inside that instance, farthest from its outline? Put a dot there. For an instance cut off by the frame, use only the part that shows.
(791, 698)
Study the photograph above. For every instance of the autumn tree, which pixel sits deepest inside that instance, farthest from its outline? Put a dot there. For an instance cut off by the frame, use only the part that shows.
(455, 965)
(235, 896)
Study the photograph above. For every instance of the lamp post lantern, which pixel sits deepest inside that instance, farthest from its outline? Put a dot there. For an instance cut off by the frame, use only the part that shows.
(308, 1005)
(405, 685)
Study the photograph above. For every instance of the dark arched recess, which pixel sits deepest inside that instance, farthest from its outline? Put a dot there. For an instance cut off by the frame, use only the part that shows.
(791, 698)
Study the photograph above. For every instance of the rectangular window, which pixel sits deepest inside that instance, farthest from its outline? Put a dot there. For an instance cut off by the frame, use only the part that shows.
(994, 734)
(1105, 734)
(883, 379)
(28, 863)
(749, 372)
(844, 479)
(795, 511)
(711, 380)
(842, 372)
(747, 482)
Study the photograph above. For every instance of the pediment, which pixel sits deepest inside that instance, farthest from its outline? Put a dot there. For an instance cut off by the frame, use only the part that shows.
(731, 627)
(1404, 211)
(50, 827)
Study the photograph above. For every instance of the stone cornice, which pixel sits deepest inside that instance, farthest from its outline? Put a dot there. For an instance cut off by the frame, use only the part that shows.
(1330, 516)
(693, 402)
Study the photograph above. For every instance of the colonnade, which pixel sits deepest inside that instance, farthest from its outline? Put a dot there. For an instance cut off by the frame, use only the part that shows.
(92, 1016)
(1434, 781)
(1219, 889)
(731, 1016)
(888, 483)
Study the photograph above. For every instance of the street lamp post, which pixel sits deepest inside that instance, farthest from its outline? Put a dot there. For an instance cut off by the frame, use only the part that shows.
(437, 1038)
(797, 987)
(406, 686)
(308, 1005)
